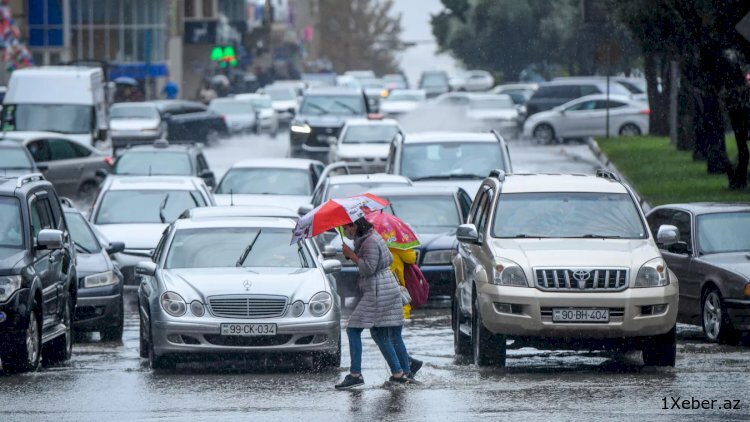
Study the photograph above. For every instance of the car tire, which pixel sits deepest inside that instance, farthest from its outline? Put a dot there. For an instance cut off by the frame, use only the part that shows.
(322, 361)
(630, 129)
(488, 349)
(543, 133)
(114, 332)
(61, 349)
(461, 342)
(717, 328)
(661, 350)
(143, 349)
(157, 362)
(25, 356)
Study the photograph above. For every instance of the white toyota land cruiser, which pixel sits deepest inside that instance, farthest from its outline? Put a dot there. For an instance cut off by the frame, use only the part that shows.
(561, 261)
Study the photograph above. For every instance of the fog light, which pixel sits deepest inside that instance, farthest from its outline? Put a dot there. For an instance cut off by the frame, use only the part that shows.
(3, 317)
(659, 309)
(320, 338)
(508, 308)
(174, 338)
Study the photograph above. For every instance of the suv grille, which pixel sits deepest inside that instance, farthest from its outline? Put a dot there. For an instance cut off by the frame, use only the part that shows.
(319, 136)
(581, 279)
(247, 306)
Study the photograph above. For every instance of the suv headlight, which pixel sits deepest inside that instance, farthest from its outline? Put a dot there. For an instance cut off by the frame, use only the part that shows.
(173, 304)
(8, 286)
(320, 304)
(508, 273)
(654, 273)
(438, 258)
(99, 280)
(300, 128)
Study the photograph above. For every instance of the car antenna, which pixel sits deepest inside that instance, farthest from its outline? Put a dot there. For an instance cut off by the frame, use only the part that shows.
(231, 197)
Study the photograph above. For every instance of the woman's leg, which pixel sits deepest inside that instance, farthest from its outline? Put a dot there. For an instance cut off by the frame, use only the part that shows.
(382, 339)
(400, 347)
(355, 349)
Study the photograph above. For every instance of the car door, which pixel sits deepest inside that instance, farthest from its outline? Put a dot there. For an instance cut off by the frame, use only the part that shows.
(466, 254)
(577, 120)
(41, 218)
(63, 161)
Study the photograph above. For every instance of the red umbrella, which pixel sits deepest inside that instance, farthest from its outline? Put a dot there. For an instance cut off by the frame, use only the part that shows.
(336, 212)
(396, 232)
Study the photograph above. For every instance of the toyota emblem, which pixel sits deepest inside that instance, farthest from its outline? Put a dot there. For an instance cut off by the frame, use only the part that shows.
(248, 284)
(581, 275)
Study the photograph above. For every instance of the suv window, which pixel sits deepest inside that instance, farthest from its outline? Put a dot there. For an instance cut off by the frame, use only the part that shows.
(558, 91)
(11, 226)
(41, 217)
(484, 214)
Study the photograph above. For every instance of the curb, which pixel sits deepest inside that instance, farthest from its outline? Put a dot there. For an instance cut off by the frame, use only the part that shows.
(607, 164)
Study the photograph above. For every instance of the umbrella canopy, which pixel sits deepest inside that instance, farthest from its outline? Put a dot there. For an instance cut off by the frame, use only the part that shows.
(336, 212)
(396, 232)
(126, 80)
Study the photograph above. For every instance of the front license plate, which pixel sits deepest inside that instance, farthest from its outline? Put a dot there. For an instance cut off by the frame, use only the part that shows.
(248, 330)
(580, 315)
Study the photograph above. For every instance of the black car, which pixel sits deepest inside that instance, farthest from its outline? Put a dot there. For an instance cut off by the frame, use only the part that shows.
(163, 158)
(38, 280)
(15, 159)
(710, 256)
(320, 119)
(100, 283)
(190, 121)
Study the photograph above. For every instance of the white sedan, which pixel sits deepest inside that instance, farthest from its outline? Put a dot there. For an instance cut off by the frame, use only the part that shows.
(365, 142)
(402, 101)
(587, 116)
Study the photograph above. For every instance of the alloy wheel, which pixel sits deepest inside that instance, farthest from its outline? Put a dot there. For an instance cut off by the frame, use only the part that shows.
(712, 316)
(32, 339)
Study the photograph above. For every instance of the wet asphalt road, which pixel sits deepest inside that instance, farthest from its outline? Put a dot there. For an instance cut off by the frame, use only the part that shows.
(107, 381)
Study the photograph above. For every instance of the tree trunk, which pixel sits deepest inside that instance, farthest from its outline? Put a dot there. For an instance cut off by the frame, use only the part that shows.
(658, 101)
(686, 112)
(709, 132)
(738, 114)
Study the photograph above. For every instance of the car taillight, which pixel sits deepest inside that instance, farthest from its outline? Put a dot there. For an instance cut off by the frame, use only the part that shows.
(646, 112)
(109, 161)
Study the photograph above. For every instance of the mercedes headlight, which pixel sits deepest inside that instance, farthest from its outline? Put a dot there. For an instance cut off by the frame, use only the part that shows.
(197, 308)
(654, 273)
(298, 308)
(99, 280)
(320, 304)
(301, 128)
(438, 257)
(508, 273)
(8, 286)
(173, 304)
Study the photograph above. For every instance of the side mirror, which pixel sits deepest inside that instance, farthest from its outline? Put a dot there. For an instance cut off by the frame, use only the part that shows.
(206, 174)
(329, 252)
(145, 268)
(467, 233)
(101, 173)
(680, 248)
(667, 235)
(101, 134)
(304, 209)
(331, 266)
(49, 239)
(42, 167)
(115, 247)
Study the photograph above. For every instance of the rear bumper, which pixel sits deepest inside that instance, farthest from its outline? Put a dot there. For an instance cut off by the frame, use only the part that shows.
(739, 313)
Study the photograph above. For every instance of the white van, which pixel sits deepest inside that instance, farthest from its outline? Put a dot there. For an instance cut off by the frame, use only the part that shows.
(64, 99)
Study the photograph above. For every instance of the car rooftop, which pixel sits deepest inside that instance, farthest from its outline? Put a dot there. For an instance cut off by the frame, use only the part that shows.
(536, 182)
(283, 163)
(133, 105)
(238, 212)
(431, 137)
(265, 222)
(371, 122)
(332, 91)
(164, 147)
(25, 135)
(153, 182)
(416, 190)
(341, 179)
(710, 207)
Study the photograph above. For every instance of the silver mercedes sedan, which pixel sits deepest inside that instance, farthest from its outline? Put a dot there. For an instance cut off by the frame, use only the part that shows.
(236, 286)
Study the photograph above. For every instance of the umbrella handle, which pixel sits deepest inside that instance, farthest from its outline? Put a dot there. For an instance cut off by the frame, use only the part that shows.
(341, 233)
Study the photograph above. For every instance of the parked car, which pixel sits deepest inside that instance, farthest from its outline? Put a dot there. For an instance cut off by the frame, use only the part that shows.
(563, 262)
(452, 99)
(38, 286)
(284, 100)
(135, 124)
(393, 81)
(587, 116)
(711, 257)
(636, 87)
(136, 210)
(191, 122)
(496, 110)
(15, 159)
(165, 159)
(365, 142)
(478, 80)
(239, 115)
(268, 119)
(321, 117)
(434, 83)
(236, 285)
(74, 168)
(99, 304)
(402, 101)
(520, 93)
(286, 183)
(448, 158)
(556, 93)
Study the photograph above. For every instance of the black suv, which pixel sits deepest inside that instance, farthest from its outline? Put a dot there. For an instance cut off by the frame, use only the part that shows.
(38, 284)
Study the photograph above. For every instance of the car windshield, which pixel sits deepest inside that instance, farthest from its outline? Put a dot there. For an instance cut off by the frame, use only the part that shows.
(399, 96)
(491, 103)
(281, 94)
(14, 158)
(233, 107)
(266, 181)
(434, 81)
(333, 104)
(451, 160)
(342, 190)
(146, 206)
(11, 229)
(370, 134)
(63, 118)
(133, 112)
(151, 163)
(567, 215)
(262, 103)
(245, 247)
(718, 233)
(426, 214)
(81, 234)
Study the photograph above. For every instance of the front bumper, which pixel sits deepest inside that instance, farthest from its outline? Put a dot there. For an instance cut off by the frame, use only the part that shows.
(440, 278)
(739, 313)
(16, 314)
(96, 312)
(132, 139)
(535, 316)
(203, 335)
(364, 164)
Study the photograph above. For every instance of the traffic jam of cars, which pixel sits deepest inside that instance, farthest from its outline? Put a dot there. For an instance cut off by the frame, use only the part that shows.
(127, 204)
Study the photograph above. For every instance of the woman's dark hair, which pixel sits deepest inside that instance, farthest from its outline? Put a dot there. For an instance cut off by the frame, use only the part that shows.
(363, 226)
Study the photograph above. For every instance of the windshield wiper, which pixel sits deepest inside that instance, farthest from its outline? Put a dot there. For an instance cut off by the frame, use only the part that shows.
(528, 236)
(347, 106)
(449, 177)
(600, 236)
(247, 250)
(322, 109)
(161, 209)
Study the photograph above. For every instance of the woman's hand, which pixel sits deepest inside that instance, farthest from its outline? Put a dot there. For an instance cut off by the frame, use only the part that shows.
(349, 253)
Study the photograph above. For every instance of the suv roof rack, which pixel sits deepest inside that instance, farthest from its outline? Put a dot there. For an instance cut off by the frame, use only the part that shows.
(28, 178)
(499, 174)
(606, 174)
(497, 135)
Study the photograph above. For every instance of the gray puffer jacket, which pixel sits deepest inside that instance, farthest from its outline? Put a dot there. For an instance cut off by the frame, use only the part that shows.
(380, 304)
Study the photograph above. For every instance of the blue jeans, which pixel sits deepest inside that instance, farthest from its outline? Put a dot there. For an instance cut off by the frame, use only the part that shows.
(392, 346)
(355, 349)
